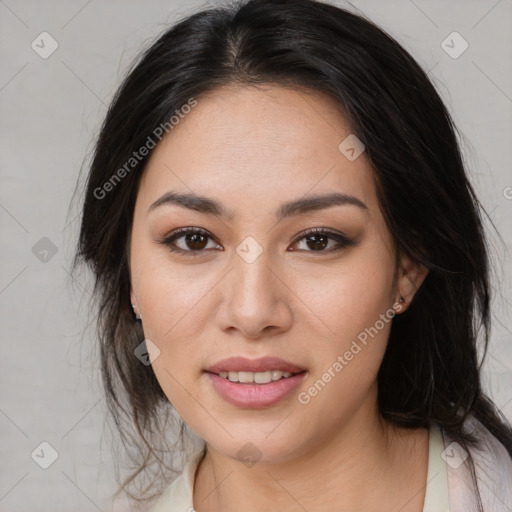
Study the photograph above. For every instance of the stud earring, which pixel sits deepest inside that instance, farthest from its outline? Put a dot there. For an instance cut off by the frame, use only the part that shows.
(138, 316)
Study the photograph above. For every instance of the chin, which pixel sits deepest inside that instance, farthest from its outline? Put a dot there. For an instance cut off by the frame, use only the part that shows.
(257, 447)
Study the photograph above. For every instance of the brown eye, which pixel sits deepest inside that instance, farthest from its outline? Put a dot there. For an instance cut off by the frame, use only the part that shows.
(317, 242)
(196, 241)
(318, 239)
(190, 241)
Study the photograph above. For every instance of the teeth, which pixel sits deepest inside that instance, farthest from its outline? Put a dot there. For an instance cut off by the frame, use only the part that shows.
(257, 377)
(244, 376)
(263, 377)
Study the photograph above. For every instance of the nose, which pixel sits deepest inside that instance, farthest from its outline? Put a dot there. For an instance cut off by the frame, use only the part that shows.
(255, 299)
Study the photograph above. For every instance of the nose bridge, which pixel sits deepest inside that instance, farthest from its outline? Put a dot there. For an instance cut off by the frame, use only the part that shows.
(253, 285)
(254, 299)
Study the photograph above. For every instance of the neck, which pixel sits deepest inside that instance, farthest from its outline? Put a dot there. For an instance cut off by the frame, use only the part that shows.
(367, 464)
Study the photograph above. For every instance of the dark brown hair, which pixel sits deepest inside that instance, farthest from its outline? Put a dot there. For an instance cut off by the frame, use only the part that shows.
(430, 372)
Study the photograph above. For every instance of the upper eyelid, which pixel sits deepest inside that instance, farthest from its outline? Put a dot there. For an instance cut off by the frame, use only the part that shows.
(202, 231)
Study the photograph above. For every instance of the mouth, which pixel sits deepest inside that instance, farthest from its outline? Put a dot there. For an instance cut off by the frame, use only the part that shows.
(255, 383)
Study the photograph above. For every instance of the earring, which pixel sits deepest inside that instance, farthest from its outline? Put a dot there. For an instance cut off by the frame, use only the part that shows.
(401, 299)
(138, 316)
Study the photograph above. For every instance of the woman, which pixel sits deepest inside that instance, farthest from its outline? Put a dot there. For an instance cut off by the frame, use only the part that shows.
(288, 253)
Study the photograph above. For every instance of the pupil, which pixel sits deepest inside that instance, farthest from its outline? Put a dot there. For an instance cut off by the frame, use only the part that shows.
(319, 241)
(194, 242)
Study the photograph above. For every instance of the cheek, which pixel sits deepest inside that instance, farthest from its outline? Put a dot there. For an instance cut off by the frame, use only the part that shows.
(354, 306)
(173, 306)
(171, 296)
(174, 318)
(342, 301)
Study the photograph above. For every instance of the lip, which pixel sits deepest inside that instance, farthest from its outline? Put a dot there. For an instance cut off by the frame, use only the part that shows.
(255, 396)
(264, 364)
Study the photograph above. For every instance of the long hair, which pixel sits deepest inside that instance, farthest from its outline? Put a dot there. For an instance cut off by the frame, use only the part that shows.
(431, 371)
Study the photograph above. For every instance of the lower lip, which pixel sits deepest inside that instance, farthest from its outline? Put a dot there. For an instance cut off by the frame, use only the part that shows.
(255, 396)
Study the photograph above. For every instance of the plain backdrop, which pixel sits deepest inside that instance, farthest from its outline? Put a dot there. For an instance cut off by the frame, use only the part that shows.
(51, 109)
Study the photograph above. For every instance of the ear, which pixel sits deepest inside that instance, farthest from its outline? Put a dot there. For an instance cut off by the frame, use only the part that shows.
(134, 301)
(411, 275)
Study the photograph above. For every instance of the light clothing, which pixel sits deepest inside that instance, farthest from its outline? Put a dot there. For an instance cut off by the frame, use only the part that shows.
(450, 486)
(436, 493)
(493, 473)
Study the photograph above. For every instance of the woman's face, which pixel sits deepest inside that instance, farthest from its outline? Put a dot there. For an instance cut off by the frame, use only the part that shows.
(251, 284)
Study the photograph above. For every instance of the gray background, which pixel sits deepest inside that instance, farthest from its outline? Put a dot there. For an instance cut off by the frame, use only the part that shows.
(50, 112)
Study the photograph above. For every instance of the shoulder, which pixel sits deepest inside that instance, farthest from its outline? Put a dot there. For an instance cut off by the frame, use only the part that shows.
(486, 467)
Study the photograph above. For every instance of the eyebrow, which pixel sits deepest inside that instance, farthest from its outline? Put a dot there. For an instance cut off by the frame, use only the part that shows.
(300, 206)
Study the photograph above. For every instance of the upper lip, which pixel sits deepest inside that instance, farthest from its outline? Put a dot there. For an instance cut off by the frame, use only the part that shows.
(264, 364)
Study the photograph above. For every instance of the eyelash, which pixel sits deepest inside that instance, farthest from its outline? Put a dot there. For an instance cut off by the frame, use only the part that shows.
(341, 239)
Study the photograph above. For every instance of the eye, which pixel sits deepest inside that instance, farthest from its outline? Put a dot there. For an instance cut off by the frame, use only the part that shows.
(193, 241)
(318, 239)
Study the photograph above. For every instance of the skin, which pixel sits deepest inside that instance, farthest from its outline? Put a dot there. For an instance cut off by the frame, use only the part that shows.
(253, 149)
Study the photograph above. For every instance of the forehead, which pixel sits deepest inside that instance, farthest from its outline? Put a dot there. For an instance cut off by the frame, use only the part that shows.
(250, 146)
